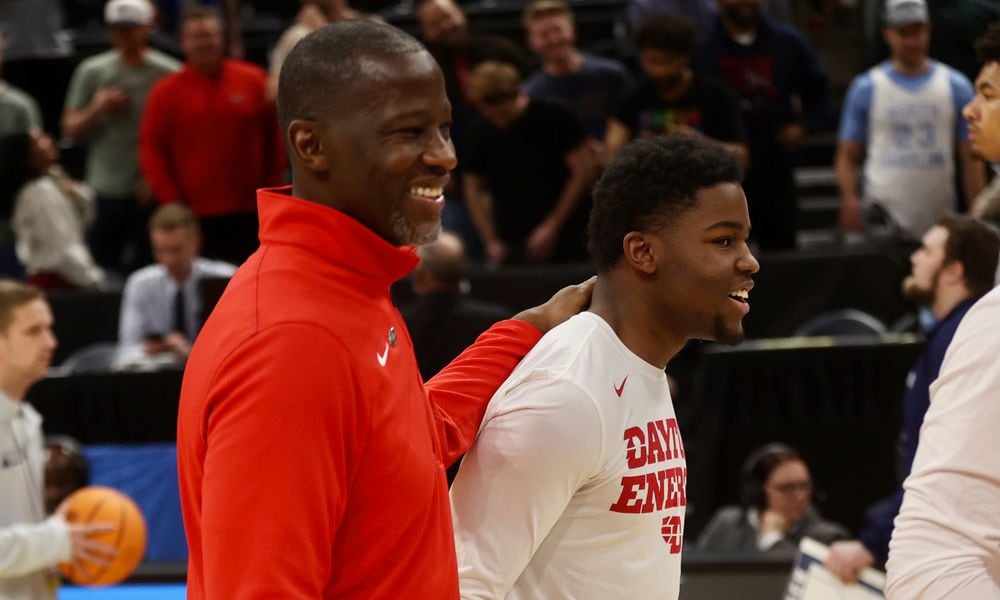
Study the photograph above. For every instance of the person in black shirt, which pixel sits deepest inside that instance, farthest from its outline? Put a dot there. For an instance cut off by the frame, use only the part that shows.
(672, 98)
(527, 168)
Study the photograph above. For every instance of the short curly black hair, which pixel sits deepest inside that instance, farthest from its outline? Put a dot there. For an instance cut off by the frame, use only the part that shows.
(649, 183)
(988, 46)
(667, 33)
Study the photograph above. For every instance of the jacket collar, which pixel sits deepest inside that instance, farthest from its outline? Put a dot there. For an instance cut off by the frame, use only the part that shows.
(332, 235)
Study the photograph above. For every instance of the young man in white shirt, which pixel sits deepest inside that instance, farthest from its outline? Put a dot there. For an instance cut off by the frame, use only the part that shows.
(946, 541)
(575, 487)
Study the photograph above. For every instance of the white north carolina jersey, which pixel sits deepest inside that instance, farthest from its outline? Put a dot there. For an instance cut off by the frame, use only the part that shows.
(576, 485)
(910, 167)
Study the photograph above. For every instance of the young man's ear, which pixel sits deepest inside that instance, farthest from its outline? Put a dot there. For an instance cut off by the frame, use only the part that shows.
(305, 143)
(641, 250)
(954, 272)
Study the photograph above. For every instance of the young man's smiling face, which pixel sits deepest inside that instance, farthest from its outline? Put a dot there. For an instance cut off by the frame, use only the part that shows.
(983, 114)
(706, 268)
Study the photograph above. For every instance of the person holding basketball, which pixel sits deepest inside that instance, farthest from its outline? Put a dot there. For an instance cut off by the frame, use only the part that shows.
(311, 455)
(30, 544)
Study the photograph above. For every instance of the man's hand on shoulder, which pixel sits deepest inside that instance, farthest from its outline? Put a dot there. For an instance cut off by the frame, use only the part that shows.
(564, 304)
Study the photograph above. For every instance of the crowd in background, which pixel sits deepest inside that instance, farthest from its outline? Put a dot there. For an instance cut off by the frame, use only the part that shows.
(178, 140)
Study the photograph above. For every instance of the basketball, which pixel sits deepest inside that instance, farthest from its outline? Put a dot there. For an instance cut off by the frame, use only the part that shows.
(96, 504)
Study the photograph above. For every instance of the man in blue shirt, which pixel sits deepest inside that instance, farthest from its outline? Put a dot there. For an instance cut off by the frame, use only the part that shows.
(590, 85)
(952, 269)
(905, 114)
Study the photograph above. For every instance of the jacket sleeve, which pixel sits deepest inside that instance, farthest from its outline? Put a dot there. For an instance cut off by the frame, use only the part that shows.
(286, 430)
(154, 145)
(460, 392)
(541, 442)
(31, 547)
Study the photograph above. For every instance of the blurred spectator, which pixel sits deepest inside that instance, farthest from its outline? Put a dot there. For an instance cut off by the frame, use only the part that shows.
(48, 212)
(905, 115)
(442, 321)
(18, 111)
(313, 15)
(776, 510)
(209, 138)
(526, 172)
(103, 108)
(170, 15)
(66, 470)
(161, 304)
(672, 98)
(38, 54)
(783, 94)
(590, 85)
(445, 32)
(953, 268)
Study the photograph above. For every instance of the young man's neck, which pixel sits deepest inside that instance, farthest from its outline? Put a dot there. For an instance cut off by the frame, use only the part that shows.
(917, 68)
(15, 389)
(945, 300)
(682, 87)
(132, 58)
(565, 63)
(632, 321)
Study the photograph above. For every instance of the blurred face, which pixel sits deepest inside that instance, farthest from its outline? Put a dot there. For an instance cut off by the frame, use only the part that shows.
(908, 44)
(665, 69)
(27, 345)
(202, 42)
(176, 250)
(552, 36)
(387, 162)
(705, 267)
(128, 39)
(441, 22)
(742, 13)
(925, 267)
(42, 151)
(789, 490)
(983, 114)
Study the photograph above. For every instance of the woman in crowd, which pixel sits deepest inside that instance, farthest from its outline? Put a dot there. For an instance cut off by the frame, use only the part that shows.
(48, 212)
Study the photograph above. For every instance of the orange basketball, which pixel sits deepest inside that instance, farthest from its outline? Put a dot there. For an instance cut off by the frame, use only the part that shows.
(96, 504)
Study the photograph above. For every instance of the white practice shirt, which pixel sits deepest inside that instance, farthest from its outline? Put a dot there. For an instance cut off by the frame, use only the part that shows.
(576, 485)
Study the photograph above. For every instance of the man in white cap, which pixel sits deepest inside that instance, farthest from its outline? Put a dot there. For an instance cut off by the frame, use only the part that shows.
(906, 112)
(103, 108)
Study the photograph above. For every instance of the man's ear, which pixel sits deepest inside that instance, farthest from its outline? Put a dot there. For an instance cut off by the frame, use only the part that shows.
(306, 145)
(954, 272)
(641, 250)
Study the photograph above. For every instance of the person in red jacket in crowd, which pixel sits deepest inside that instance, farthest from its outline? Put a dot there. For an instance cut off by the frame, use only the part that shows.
(311, 454)
(209, 138)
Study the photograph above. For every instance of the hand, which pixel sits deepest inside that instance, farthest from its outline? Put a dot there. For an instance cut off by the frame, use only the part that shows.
(82, 547)
(496, 251)
(144, 194)
(564, 304)
(110, 99)
(773, 522)
(850, 216)
(177, 343)
(791, 135)
(541, 243)
(847, 559)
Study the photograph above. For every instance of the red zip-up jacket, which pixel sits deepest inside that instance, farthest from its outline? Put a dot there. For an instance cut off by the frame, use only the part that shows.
(210, 143)
(311, 455)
